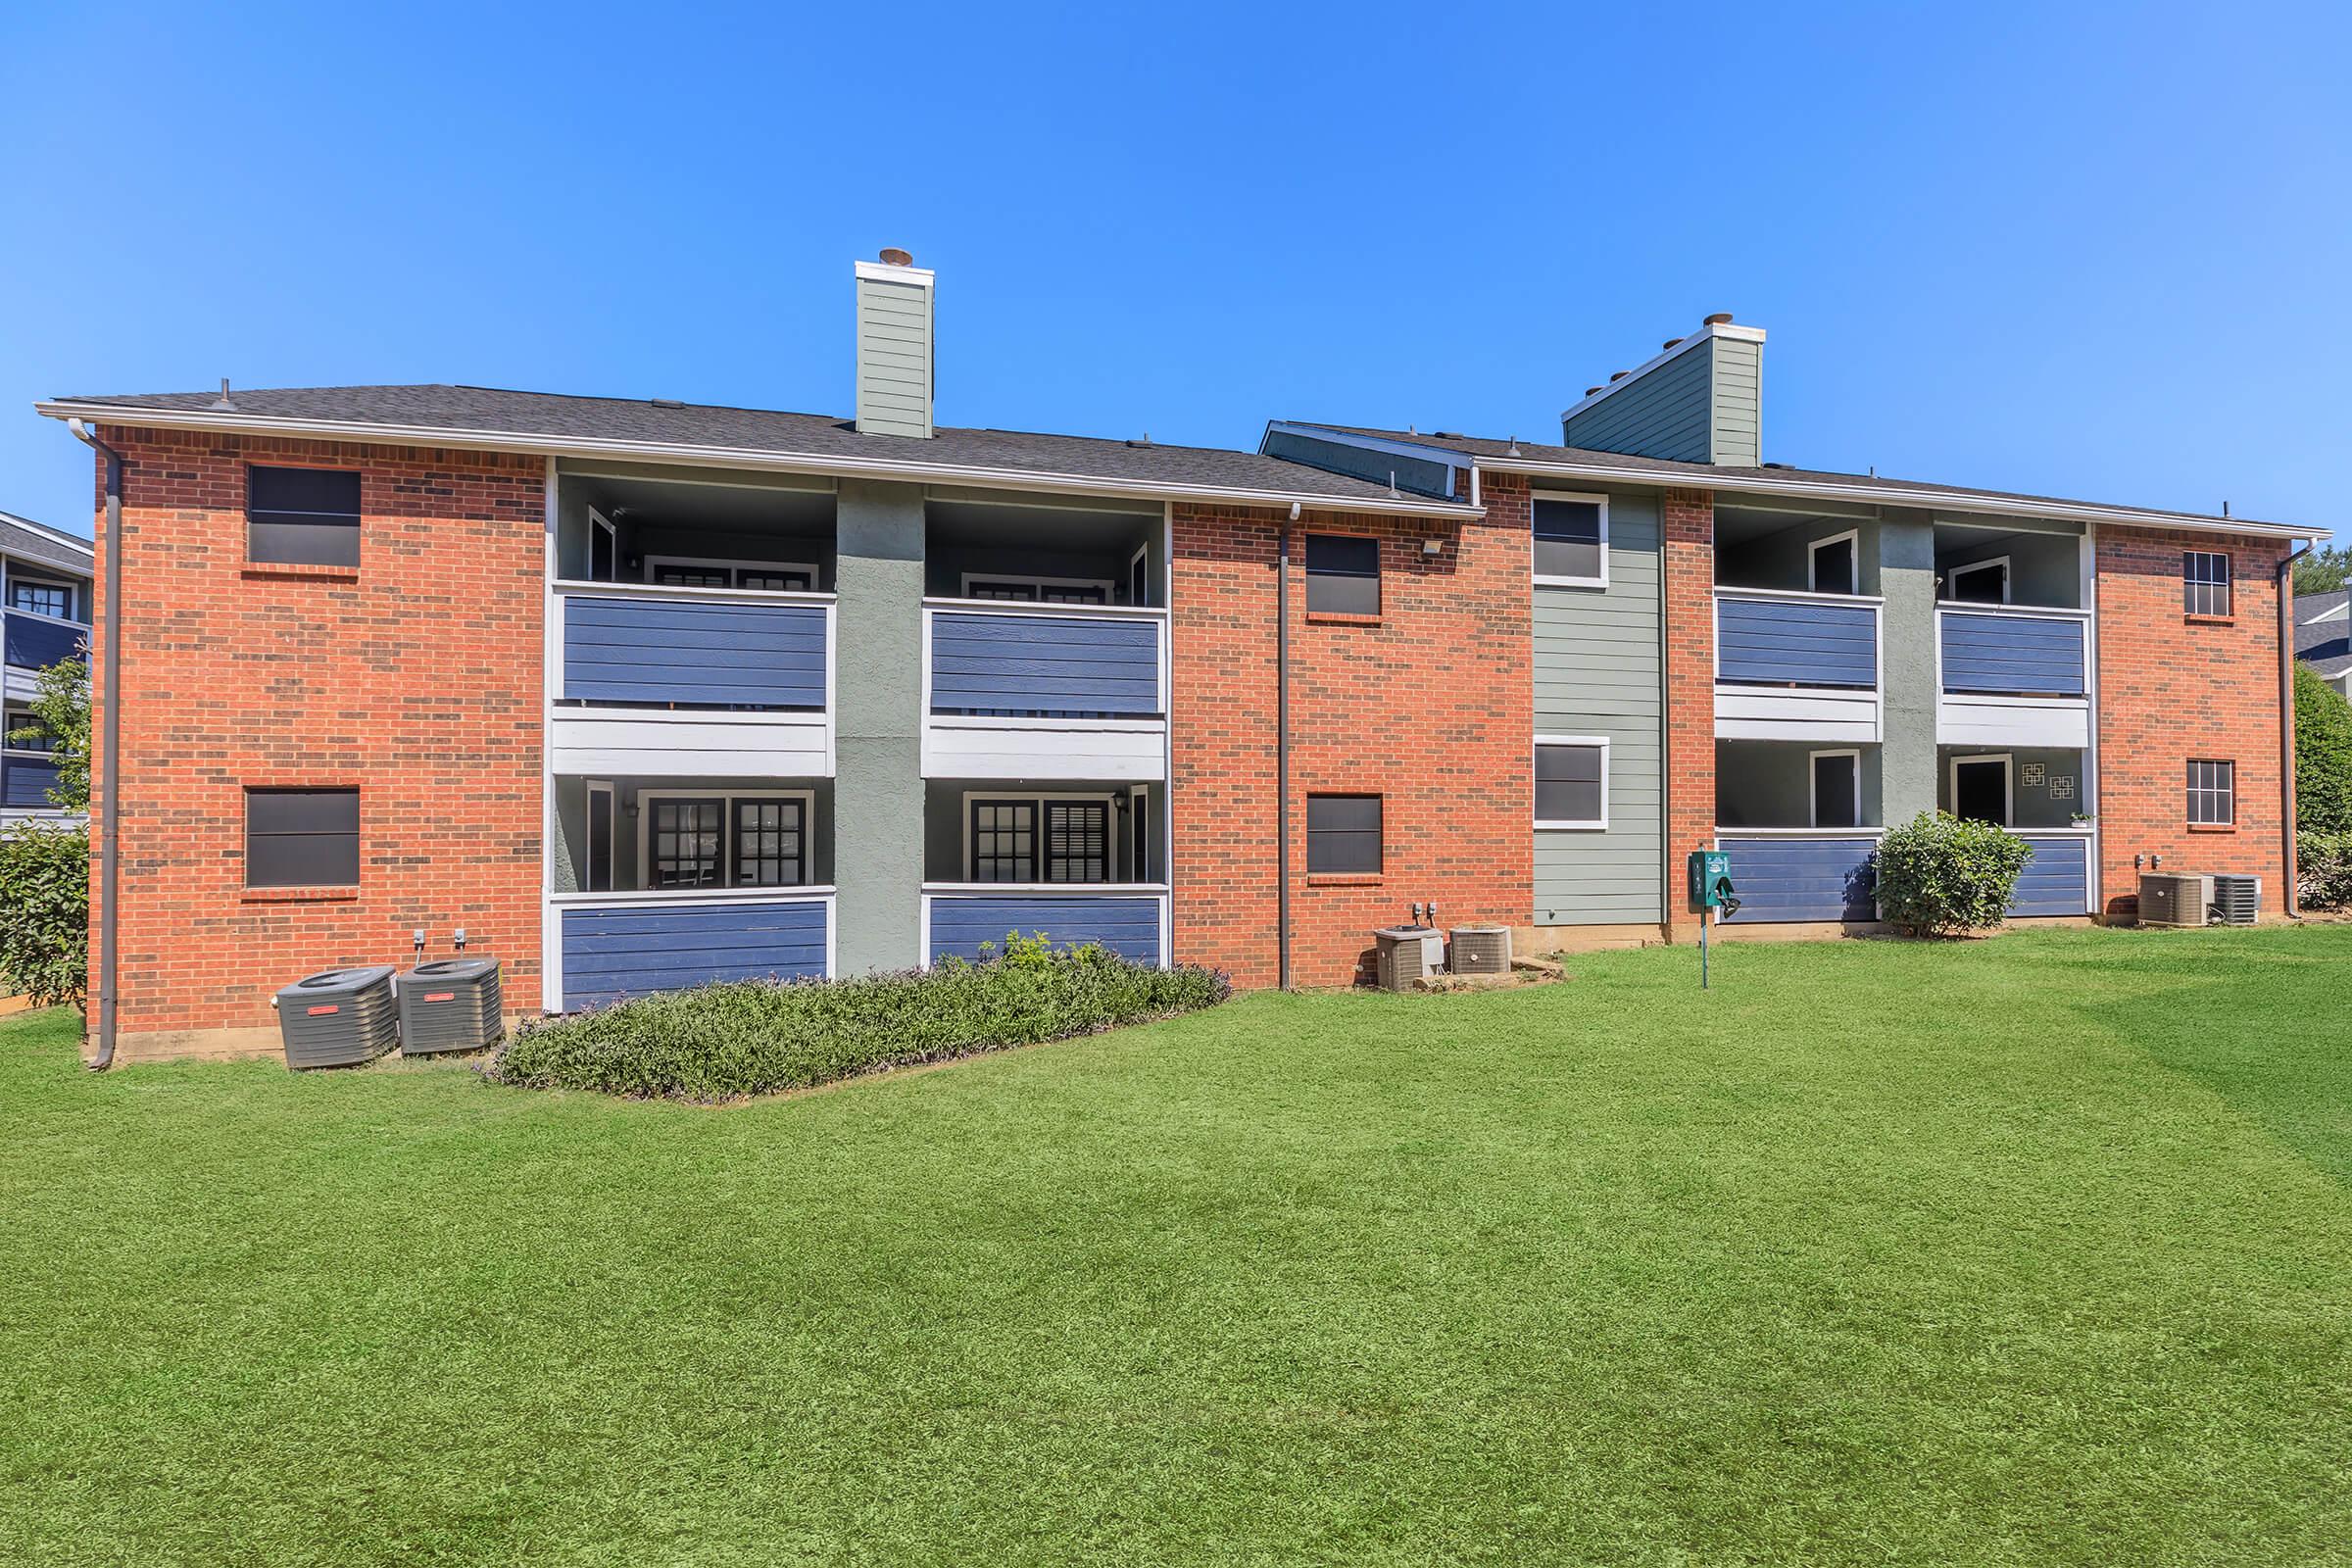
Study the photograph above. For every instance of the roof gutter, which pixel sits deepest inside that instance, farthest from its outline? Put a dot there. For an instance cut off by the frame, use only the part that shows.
(110, 766)
(1698, 477)
(557, 446)
(2287, 726)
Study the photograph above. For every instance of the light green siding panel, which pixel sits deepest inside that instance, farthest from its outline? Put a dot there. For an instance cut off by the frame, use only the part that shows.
(895, 365)
(1907, 577)
(1737, 439)
(1664, 414)
(878, 683)
(1596, 672)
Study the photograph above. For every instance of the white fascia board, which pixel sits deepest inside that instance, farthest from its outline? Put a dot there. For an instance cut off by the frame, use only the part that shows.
(1862, 490)
(885, 272)
(1726, 330)
(556, 446)
(53, 535)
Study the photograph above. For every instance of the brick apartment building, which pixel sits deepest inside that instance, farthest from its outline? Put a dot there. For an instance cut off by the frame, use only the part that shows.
(639, 694)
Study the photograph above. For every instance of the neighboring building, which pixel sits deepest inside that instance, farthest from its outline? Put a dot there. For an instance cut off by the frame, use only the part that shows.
(45, 599)
(643, 692)
(2323, 636)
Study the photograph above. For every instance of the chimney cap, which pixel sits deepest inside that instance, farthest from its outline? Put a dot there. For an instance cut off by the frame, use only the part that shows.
(1619, 376)
(1719, 319)
(1669, 343)
(892, 256)
(1589, 391)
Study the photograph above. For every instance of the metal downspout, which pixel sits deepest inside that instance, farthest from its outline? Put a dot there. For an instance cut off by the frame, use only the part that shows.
(110, 769)
(1281, 749)
(2286, 721)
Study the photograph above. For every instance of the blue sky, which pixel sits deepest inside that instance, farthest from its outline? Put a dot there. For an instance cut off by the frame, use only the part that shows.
(2098, 252)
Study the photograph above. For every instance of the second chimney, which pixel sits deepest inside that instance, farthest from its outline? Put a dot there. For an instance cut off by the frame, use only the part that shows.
(894, 347)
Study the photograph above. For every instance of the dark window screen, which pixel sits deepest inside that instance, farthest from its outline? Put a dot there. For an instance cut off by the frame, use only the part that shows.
(1003, 841)
(302, 838)
(1834, 567)
(770, 841)
(1343, 833)
(600, 841)
(1343, 574)
(302, 516)
(1077, 840)
(1568, 783)
(687, 838)
(1567, 538)
(774, 582)
(671, 576)
(2204, 583)
(1834, 791)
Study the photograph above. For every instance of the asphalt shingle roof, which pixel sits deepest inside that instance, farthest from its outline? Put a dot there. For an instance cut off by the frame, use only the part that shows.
(488, 411)
(22, 538)
(2324, 643)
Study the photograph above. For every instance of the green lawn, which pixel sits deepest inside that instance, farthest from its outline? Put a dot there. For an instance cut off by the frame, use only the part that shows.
(2037, 1250)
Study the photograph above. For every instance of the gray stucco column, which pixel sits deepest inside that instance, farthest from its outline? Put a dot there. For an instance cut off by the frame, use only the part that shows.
(877, 719)
(1907, 580)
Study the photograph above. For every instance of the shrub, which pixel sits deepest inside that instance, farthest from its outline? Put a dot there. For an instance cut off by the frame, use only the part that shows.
(44, 911)
(2322, 755)
(722, 1041)
(2323, 870)
(1940, 876)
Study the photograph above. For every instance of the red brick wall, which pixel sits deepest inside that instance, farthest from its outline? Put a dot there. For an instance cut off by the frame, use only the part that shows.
(1690, 567)
(416, 677)
(1431, 705)
(2173, 688)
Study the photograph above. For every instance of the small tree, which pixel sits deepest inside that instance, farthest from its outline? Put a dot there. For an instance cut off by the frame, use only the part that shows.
(2323, 570)
(2322, 755)
(61, 722)
(45, 890)
(1940, 876)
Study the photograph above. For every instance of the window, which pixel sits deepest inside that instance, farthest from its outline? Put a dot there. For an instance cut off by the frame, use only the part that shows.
(686, 845)
(302, 838)
(1139, 811)
(600, 839)
(771, 840)
(2204, 583)
(764, 576)
(1836, 789)
(1980, 582)
(40, 596)
(1343, 574)
(1343, 833)
(302, 517)
(1572, 787)
(1037, 590)
(36, 739)
(2212, 794)
(1572, 539)
(1981, 789)
(604, 548)
(1139, 575)
(1003, 841)
(1830, 565)
(1044, 840)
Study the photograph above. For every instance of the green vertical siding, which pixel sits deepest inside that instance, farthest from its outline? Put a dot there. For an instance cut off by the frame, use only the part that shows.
(1665, 414)
(1596, 672)
(1738, 392)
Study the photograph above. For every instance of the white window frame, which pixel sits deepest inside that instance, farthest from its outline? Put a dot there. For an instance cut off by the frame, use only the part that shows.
(2228, 585)
(598, 520)
(735, 566)
(1853, 587)
(2008, 782)
(1041, 584)
(727, 847)
(1143, 559)
(34, 579)
(1570, 825)
(1813, 781)
(1038, 799)
(604, 787)
(2188, 795)
(1544, 579)
(1952, 580)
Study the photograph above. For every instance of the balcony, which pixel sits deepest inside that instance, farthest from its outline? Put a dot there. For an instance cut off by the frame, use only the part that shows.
(1809, 875)
(2012, 675)
(26, 778)
(32, 641)
(605, 947)
(1794, 665)
(1044, 691)
(684, 681)
(1131, 919)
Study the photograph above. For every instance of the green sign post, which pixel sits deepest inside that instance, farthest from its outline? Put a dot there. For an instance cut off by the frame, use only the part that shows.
(1711, 894)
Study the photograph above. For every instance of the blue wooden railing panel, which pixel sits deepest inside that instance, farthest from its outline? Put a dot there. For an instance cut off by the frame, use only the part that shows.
(693, 651)
(26, 781)
(1044, 665)
(2053, 881)
(34, 642)
(2034, 655)
(611, 954)
(1801, 879)
(1779, 642)
(1127, 926)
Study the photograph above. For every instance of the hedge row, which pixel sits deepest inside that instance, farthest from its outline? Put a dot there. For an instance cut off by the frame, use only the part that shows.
(723, 1042)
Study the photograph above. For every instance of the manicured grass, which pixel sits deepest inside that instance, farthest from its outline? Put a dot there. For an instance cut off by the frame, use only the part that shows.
(2037, 1250)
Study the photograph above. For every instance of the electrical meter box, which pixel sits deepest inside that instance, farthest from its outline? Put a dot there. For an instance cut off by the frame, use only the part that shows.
(1710, 880)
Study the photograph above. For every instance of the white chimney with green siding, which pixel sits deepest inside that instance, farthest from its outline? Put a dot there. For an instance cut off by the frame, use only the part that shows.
(894, 347)
(1699, 400)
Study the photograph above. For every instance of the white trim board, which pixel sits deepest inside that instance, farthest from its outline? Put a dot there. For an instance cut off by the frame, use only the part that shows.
(1559, 579)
